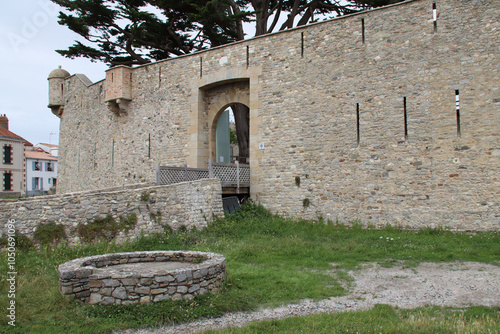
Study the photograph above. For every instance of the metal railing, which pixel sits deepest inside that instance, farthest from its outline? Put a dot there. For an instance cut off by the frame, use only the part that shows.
(231, 175)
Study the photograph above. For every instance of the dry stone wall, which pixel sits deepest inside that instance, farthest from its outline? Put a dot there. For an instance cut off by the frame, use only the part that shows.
(354, 118)
(102, 279)
(189, 204)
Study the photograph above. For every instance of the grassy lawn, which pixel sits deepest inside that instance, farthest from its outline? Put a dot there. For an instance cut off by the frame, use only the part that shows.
(384, 319)
(270, 261)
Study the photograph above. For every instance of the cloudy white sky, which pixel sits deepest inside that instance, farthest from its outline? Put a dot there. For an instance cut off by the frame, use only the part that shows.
(29, 34)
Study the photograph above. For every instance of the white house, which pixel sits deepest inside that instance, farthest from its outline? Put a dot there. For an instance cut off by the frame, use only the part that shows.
(41, 171)
(12, 168)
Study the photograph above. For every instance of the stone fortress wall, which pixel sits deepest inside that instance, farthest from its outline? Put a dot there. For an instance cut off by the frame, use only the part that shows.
(329, 135)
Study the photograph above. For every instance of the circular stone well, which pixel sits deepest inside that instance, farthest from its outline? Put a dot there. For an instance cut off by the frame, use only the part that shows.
(142, 277)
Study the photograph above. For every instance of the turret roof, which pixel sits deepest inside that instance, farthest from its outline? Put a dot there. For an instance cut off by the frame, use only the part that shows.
(59, 73)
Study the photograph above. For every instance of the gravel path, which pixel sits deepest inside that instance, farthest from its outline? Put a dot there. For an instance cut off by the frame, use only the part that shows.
(457, 284)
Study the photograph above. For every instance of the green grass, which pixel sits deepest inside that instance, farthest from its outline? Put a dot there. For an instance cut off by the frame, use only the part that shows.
(270, 260)
(383, 319)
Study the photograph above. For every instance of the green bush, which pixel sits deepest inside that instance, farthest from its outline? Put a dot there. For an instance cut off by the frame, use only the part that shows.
(50, 233)
(155, 216)
(128, 223)
(145, 197)
(23, 242)
(3, 242)
(100, 228)
(106, 228)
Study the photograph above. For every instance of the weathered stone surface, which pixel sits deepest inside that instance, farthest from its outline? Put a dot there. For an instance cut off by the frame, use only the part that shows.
(120, 293)
(66, 290)
(82, 294)
(194, 288)
(107, 300)
(95, 298)
(181, 277)
(159, 298)
(182, 289)
(128, 302)
(95, 283)
(129, 281)
(110, 282)
(145, 299)
(177, 296)
(67, 275)
(143, 290)
(158, 291)
(162, 279)
(145, 281)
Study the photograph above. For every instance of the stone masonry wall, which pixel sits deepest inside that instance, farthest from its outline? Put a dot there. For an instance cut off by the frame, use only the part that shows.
(190, 204)
(102, 279)
(305, 86)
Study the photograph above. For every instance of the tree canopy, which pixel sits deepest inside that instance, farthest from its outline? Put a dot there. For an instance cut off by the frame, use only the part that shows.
(133, 32)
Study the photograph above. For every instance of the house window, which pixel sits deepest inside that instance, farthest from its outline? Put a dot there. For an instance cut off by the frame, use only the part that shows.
(7, 154)
(36, 165)
(50, 167)
(7, 181)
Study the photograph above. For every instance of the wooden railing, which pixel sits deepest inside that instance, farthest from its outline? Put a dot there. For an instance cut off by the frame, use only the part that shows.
(231, 175)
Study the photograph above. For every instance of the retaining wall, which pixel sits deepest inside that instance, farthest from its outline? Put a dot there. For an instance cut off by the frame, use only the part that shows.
(190, 204)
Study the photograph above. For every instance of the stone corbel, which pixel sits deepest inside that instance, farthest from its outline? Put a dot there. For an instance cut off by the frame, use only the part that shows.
(118, 106)
(57, 110)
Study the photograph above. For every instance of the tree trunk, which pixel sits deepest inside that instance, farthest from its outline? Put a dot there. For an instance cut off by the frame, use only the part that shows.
(242, 119)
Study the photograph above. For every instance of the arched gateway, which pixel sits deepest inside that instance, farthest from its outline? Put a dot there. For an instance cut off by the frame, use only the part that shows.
(214, 94)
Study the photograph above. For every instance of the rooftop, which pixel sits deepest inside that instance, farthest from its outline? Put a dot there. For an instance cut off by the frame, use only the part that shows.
(11, 135)
(39, 155)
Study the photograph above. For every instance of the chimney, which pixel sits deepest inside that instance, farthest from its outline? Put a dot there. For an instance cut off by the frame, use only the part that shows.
(4, 121)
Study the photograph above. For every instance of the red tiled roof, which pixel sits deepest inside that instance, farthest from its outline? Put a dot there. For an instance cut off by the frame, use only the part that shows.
(7, 134)
(39, 155)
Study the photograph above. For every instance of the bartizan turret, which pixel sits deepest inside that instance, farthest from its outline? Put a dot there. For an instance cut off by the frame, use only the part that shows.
(57, 79)
(118, 88)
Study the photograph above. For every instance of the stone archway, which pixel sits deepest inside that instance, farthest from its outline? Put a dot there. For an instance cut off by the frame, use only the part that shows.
(213, 93)
(217, 98)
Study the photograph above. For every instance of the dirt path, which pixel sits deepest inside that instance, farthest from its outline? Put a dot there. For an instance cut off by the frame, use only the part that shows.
(458, 284)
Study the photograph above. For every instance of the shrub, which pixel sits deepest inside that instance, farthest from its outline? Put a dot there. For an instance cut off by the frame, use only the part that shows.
(155, 216)
(106, 228)
(128, 223)
(22, 242)
(49, 233)
(145, 197)
(100, 228)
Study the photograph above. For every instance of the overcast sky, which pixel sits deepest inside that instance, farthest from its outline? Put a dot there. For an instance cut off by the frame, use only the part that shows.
(29, 34)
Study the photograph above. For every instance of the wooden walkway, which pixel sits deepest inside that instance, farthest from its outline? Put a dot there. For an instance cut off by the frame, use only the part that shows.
(235, 178)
